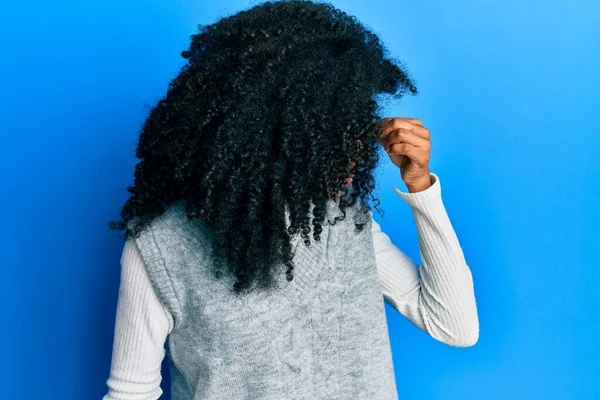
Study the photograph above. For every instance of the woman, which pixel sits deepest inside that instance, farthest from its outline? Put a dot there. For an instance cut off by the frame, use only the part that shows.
(270, 132)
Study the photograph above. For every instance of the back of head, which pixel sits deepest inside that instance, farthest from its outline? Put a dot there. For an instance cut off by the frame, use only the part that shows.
(273, 110)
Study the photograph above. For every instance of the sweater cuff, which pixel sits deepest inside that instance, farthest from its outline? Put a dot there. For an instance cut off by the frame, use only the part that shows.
(425, 198)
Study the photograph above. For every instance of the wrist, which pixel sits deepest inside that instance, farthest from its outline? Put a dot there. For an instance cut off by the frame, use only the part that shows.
(420, 185)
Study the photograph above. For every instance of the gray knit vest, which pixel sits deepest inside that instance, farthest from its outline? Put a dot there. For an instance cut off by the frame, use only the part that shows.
(324, 335)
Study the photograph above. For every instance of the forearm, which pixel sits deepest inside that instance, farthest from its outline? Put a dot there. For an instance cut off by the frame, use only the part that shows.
(446, 299)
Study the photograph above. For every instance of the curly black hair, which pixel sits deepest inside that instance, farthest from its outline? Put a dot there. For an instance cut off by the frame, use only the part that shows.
(274, 109)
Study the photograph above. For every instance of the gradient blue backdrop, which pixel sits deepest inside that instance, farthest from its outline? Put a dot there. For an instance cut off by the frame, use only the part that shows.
(510, 92)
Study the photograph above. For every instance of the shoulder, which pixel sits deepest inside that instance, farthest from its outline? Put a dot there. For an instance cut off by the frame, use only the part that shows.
(359, 214)
(174, 223)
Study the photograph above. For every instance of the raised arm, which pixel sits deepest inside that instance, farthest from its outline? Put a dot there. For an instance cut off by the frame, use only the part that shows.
(141, 327)
(438, 296)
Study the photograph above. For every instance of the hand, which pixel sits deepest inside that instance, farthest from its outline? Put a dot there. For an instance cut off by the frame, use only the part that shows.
(406, 142)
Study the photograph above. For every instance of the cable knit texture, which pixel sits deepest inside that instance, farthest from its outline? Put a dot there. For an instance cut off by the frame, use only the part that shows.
(322, 336)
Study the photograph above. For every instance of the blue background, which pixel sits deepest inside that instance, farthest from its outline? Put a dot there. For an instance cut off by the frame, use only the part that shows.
(510, 91)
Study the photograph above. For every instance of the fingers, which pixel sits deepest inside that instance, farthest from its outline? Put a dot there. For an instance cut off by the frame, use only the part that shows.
(415, 121)
(418, 155)
(406, 136)
(389, 125)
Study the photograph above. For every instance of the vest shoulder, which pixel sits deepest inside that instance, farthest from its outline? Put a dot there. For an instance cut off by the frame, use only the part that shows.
(175, 218)
(169, 245)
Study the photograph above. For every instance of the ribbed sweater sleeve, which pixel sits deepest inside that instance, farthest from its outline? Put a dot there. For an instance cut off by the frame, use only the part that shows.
(141, 327)
(438, 296)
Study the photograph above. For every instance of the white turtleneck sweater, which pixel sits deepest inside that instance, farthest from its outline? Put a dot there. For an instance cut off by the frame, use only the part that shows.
(437, 296)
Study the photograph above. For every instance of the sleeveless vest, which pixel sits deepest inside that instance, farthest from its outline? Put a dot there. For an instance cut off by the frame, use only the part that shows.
(324, 335)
